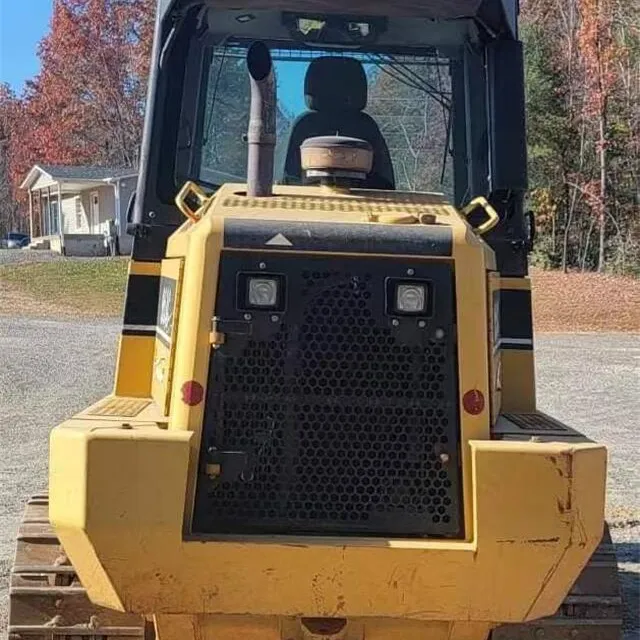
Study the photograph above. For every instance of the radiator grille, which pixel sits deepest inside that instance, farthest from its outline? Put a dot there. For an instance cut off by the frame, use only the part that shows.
(349, 424)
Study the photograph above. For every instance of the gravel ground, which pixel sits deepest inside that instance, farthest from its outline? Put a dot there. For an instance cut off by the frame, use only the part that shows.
(21, 256)
(49, 370)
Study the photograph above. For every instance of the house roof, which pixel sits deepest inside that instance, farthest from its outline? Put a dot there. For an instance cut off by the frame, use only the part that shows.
(66, 173)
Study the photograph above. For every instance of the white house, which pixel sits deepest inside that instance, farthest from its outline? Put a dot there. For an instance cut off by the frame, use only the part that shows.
(70, 208)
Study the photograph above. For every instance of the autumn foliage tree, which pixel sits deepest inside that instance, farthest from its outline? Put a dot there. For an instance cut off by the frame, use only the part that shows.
(86, 106)
(599, 55)
(583, 77)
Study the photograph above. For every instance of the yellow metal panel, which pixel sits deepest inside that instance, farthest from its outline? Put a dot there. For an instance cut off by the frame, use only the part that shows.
(160, 388)
(135, 353)
(120, 407)
(518, 366)
(518, 284)
(319, 204)
(493, 286)
(69, 506)
(137, 268)
(193, 348)
(518, 381)
(164, 357)
(134, 366)
(473, 359)
(209, 627)
(135, 529)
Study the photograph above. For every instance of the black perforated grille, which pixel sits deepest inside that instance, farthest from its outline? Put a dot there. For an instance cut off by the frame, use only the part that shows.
(333, 417)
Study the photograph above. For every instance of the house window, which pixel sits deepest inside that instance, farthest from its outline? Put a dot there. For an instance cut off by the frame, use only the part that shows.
(79, 213)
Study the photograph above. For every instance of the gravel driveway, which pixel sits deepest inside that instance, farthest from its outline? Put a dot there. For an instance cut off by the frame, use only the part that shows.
(22, 256)
(49, 370)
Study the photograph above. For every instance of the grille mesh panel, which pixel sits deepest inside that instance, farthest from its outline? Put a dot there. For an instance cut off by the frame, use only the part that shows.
(349, 423)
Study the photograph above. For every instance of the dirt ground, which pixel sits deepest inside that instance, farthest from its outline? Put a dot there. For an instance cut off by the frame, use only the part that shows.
(563, 303)
(585, 302)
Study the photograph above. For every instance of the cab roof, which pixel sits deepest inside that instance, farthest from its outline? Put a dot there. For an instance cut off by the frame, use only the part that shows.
(499, 16)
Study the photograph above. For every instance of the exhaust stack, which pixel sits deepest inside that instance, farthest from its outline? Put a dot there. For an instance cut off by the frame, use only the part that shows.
(262, 121)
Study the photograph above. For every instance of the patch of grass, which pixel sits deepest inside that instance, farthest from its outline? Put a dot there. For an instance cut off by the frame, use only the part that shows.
(91, 286)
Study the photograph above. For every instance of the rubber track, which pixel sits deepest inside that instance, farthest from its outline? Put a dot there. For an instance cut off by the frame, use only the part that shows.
(46, 599)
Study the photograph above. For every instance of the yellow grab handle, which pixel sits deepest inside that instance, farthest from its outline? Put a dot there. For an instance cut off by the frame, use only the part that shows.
(493, 220)
(191, 189)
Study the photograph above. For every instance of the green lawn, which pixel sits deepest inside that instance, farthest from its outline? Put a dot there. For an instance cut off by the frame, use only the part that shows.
(92, 286)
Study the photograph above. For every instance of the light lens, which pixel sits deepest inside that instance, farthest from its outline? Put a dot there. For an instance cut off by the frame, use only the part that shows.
(263, 292)
(411, 298)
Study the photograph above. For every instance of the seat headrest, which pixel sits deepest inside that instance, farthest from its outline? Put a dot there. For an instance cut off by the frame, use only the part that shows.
(336, 84)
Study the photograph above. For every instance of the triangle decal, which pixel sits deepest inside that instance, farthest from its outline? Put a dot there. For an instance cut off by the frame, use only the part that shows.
(279, 241)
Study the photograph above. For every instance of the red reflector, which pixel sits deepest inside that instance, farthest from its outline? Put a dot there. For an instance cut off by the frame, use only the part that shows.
(192, 393)
(473, 402)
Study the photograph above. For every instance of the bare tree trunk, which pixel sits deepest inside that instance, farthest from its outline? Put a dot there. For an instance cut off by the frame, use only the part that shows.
(603, 195)
(587, 243)
(570, 204)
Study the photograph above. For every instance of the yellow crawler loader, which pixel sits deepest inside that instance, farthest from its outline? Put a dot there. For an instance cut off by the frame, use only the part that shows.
(324, 422)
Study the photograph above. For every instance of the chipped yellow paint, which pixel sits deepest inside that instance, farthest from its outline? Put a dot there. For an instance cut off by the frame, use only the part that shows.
(136, 537)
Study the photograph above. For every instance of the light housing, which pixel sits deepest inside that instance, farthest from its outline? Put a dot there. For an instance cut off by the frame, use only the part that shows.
(259, 291)
(263, 292)
(409, 297)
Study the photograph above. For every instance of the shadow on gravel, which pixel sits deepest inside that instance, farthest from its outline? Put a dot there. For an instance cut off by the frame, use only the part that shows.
(628, 552)
(630, 586)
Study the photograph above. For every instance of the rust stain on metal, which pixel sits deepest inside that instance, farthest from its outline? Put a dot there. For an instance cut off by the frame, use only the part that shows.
(542, 540)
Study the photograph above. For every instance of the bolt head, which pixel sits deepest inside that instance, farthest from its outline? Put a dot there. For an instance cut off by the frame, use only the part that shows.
(411, 272)
(274, 318)
(248, 316)
(263, 265)
(422, 324)
(439, 334)
(395, 322)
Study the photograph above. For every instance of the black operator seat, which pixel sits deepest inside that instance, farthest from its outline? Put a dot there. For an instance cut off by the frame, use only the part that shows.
(336, 93)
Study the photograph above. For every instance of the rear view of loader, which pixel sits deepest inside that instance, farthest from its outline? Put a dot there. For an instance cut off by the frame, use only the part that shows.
(324, 421)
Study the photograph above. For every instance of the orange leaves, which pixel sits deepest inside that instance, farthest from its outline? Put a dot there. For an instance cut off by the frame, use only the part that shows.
(598, 52)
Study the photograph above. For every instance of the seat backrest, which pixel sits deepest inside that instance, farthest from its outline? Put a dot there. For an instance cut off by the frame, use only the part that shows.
(336, 94)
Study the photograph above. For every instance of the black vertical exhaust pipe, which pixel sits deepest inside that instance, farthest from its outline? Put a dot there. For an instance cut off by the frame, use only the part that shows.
(262, 121)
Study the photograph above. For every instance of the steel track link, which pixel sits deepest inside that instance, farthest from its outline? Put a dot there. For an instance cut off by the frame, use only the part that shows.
(46, 599)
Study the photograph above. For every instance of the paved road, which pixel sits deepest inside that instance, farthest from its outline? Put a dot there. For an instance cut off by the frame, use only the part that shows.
(49, 370)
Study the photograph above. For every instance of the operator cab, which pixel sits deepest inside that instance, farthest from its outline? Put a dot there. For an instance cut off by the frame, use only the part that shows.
(435, 88)
(384, 80)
